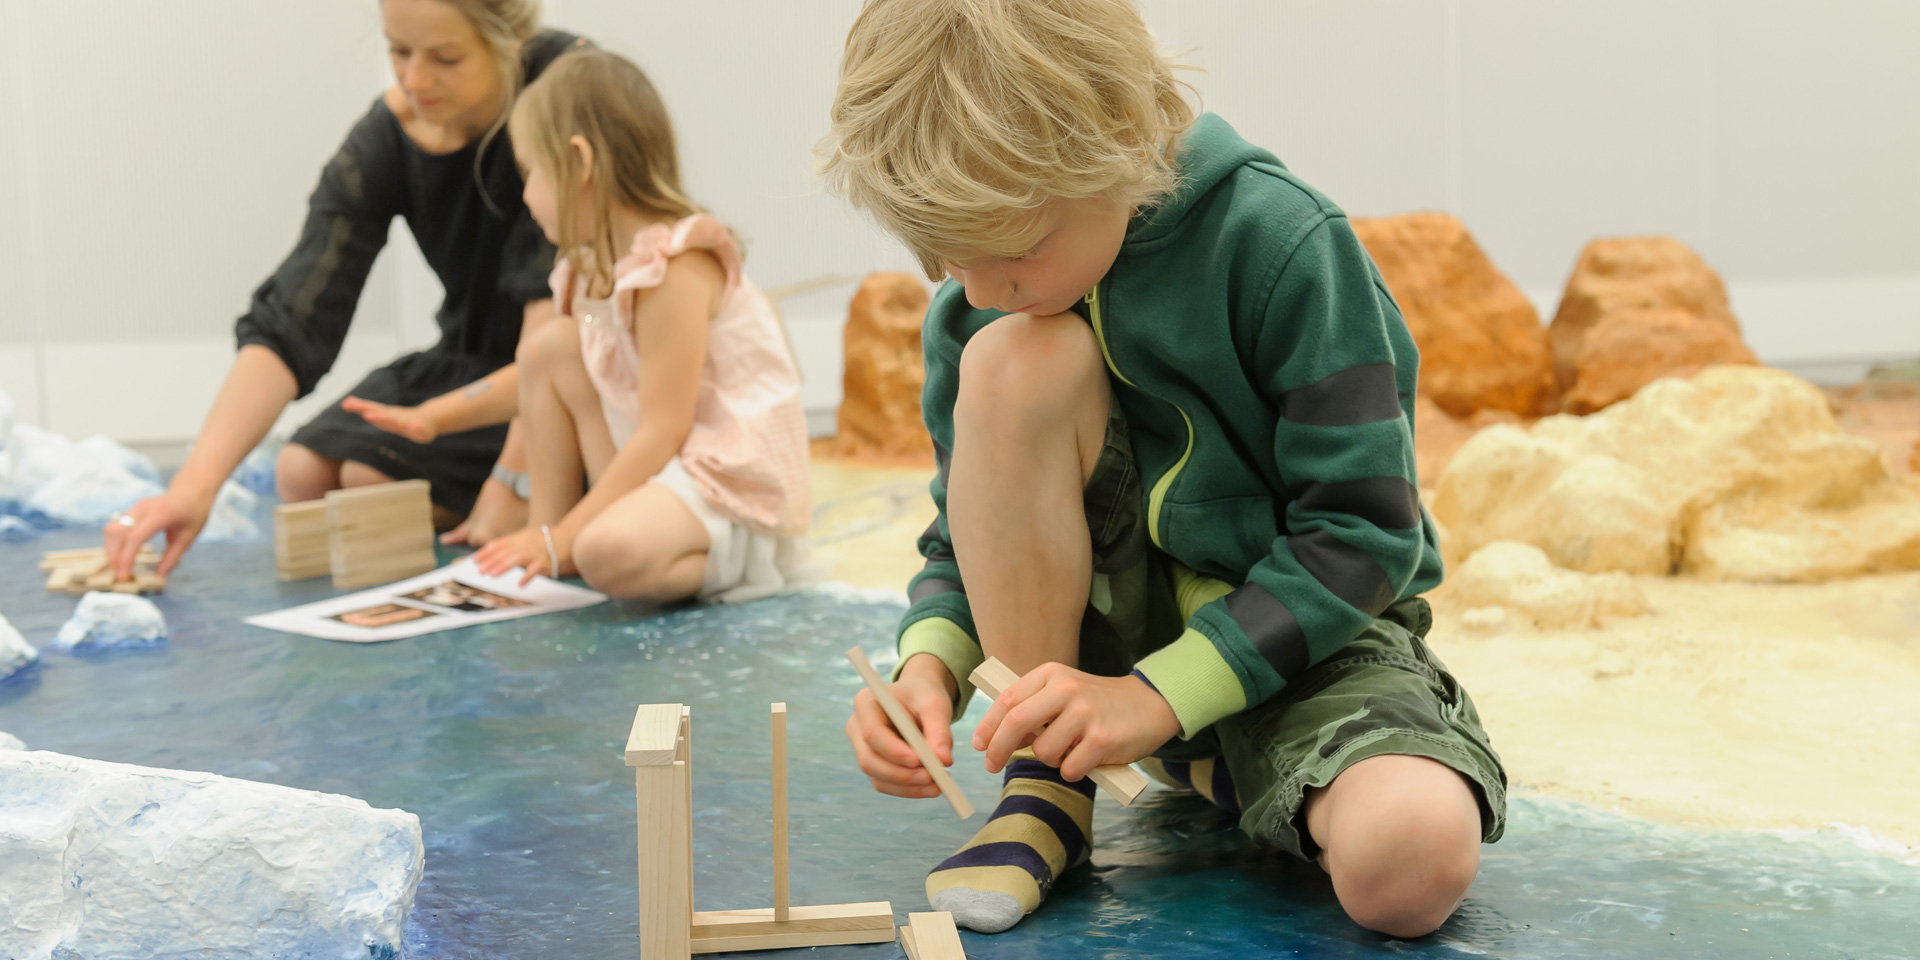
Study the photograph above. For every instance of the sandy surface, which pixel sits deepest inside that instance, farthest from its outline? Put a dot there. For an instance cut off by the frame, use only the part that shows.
(1730, 705)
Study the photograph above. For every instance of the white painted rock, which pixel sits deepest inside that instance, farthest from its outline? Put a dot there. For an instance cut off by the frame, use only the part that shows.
(105, 620)
(15, 652)
(1518, 577)
(1739, 473)
(109, 861)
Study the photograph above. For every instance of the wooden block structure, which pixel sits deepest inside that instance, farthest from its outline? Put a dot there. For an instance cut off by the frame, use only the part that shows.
(931, 936)
(78, 571)
(379, 533)
(1121, 780)
(301, 540)
(660, 749)
(910, 732)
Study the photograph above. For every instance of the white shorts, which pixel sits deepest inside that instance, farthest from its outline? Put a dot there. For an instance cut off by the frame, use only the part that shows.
(742, 564)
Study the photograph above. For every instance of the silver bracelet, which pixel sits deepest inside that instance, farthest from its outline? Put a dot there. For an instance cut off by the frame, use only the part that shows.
(521, 484)
(552, 557)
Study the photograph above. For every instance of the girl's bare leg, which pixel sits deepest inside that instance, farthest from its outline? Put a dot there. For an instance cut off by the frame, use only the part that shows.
(567, 440)
(647, 545)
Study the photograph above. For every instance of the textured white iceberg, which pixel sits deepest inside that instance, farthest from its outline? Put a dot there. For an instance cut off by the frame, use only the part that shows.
(105, 620)
(10, 742)
(232, 516)
(15, 652)
(108, 860)
(72, 482)
(256, 471)
(15, 530)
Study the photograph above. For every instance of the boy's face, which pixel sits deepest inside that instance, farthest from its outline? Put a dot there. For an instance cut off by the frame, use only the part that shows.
(1080, 240)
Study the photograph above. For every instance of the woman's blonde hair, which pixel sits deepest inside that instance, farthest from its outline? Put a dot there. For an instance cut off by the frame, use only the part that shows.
(606, 100)
(955, 119)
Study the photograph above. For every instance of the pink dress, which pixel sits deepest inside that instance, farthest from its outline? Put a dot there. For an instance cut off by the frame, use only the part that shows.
(746, 455)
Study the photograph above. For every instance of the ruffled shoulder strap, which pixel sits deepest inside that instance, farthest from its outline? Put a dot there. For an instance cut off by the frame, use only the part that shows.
(645, 265)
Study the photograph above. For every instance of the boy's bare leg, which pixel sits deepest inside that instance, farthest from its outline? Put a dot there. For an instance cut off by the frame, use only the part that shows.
(1028, 428)
(1400, 836)
(567, 440)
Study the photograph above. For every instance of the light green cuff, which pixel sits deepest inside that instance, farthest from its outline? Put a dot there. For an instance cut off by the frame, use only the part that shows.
(944, 639)
(1193, 591)
(1195, 679)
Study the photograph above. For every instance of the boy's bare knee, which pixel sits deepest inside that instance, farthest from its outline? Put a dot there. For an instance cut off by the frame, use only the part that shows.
(1404, 874)
(550, 344)
(1028, 366)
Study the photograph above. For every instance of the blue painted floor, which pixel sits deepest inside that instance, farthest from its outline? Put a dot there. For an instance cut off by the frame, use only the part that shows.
(505, 740)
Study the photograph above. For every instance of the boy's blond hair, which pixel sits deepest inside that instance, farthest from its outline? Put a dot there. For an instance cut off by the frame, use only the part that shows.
(956, 119)
(606, 100)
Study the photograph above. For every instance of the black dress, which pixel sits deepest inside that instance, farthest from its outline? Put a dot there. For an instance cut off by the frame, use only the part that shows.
(490, 256)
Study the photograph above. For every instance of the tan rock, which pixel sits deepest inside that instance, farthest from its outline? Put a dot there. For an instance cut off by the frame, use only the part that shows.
(880, 400)
(1739, 473)
(1481, 342)
(1520, 578)
(1628, 349)
(1620, 274)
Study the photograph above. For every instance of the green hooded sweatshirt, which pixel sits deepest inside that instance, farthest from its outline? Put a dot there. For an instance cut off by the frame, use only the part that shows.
(1268, 380)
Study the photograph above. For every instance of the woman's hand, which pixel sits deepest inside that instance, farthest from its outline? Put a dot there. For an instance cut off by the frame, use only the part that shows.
(409, 422)
(527, 549)
(926, 689)
(178, 515)
(1075, 721)
(496, 511)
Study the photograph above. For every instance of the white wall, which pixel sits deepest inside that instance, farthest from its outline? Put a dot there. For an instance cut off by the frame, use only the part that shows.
(155, 159)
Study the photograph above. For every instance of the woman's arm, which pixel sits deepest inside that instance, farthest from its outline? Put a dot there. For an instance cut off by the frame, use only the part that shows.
(492, 399)
(257, 388)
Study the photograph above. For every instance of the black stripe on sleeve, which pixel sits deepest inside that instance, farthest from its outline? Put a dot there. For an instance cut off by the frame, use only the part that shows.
(1356, 395)
(937, 549)
(1390, 503)
(1347, 571)
(932, 587)
(1271, 627)
(944, 460)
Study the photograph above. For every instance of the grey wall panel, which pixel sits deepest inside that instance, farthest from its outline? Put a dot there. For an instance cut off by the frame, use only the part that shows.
(17, 312)
(175, 145)
(1353, 96)
(1816, 148)
(1579, 120)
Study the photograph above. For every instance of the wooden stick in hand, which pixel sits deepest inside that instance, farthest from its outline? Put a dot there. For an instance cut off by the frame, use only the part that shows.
(910, 731)
(1119, 779)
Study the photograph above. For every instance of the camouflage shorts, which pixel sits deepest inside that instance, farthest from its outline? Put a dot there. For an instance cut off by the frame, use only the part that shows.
(1384, 693)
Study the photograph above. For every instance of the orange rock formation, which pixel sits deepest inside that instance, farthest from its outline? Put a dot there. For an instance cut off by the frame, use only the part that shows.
(880, 402)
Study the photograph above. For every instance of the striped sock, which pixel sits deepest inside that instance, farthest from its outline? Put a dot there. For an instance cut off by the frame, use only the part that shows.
(1042, 828)
(1208, 778)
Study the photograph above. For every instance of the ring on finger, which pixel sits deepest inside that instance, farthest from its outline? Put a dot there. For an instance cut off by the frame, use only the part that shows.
(123, 519)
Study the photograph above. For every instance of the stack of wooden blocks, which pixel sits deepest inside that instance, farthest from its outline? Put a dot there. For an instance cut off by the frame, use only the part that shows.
(78, 571)
(363, 535)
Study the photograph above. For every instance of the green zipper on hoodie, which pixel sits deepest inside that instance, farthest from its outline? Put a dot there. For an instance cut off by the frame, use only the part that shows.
(1160, 487)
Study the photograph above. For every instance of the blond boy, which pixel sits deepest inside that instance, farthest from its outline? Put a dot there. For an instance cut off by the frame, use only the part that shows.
(1171, 401)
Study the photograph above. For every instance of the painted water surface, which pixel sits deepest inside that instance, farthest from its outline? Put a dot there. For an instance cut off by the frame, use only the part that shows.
(505, 739)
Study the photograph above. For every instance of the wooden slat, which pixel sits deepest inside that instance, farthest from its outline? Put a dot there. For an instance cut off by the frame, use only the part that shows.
(655, 735)
(666, 899)
(1121, 780)
(909, 731)
(781, 906)
(934, 936)
(727, 931)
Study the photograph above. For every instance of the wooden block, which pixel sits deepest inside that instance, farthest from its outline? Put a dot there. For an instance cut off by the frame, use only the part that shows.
(101, 579)
(300, 535)
(781, 907)
(727, 931)
(151, 582)
(655, 735)
(932, 936)
(127, 586)
(666, 898)
(909, 731)
(1121, 780)
(379, 533)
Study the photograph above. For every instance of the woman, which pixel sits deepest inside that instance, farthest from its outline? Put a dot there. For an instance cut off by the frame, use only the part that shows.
(433, 150)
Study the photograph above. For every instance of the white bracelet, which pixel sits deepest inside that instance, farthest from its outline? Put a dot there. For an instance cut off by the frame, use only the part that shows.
(552, 557)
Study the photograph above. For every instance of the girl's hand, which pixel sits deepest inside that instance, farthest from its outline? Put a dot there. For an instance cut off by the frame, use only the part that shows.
(1075, 721)
(926, 689)
(526, 549)
(408, 422)
(177, 515)
(496, 511)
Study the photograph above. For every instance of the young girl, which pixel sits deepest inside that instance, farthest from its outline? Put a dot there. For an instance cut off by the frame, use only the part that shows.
(665, 437)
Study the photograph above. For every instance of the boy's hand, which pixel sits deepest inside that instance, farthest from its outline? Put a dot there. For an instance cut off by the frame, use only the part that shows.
(409, 422)
(1075, 721)
(926, 689)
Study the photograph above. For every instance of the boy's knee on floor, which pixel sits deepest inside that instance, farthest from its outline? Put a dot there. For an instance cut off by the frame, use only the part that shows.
(1403, 874)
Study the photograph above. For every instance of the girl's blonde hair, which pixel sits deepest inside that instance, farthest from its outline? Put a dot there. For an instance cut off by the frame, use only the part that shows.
(956, 119)
(605, 99)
